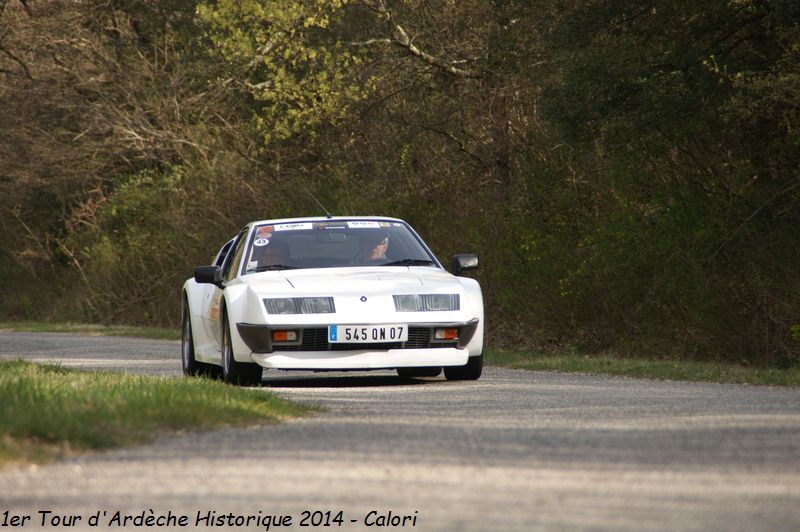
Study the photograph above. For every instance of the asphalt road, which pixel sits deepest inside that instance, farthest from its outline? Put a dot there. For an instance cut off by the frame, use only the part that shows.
(513, 451)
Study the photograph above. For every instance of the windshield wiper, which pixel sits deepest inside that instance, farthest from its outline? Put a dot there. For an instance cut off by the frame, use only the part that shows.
(409, 262)
(271, 267)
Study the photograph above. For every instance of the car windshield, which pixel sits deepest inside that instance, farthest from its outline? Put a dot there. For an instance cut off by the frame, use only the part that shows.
(334, 243)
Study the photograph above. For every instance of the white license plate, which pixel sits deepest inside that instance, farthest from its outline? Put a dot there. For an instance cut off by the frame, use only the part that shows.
(367, 334)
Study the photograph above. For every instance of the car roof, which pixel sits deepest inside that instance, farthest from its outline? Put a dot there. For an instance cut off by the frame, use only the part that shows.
(324, 219)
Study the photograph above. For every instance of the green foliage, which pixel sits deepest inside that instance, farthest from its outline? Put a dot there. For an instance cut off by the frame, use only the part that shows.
(628, 173)
(690, 107)
(288, 58)
(128, 251)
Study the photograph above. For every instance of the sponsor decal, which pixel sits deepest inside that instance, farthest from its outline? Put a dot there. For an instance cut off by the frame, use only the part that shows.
(261, 242)
(330, 225)
(294, 227)
(264, 232)
(363, 224)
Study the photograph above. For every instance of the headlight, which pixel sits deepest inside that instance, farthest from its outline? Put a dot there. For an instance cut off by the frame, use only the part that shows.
(300, 305)
(426, 302)
(281, 306)
(315, 305)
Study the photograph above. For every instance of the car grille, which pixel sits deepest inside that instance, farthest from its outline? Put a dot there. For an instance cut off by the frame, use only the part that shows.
(316, 339)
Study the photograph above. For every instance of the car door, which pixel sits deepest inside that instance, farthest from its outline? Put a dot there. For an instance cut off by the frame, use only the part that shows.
(209, 346)
(230, 268)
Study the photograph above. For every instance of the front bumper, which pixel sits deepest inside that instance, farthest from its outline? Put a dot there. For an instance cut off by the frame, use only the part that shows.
(363, 359)
(313, 338)
(313, 351)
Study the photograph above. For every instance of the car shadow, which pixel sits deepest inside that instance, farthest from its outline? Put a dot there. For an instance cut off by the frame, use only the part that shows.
(344, 381)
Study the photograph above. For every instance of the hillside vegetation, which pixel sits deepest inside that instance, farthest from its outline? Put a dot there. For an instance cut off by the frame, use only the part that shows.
(627, 171)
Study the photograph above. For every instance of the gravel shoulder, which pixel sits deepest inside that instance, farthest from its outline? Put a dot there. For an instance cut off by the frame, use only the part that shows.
(515, 450)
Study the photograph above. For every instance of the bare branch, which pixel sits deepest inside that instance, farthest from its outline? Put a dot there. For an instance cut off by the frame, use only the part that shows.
(370, 42)
(18, 61)
(462, 147)
(44, 252)
(401, 38)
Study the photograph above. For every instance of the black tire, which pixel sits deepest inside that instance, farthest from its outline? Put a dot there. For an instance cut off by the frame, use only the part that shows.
(233, 372)
(191, 366)
(419, 372)
(471, 371)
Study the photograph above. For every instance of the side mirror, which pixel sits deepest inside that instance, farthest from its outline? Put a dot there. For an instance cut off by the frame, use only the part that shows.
(462, 263)
(208, 275)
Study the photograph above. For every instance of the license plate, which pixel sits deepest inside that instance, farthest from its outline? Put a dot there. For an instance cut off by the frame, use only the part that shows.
(367, 334)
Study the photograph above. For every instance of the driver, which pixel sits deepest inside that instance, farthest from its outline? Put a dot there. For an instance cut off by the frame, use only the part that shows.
(374, 246)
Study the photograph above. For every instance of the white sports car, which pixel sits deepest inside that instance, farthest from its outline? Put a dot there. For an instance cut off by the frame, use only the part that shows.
(337, 293)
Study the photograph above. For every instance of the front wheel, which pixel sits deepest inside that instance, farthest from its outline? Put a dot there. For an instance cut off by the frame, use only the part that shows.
(470, 371)
(233, 372)
(191, 366)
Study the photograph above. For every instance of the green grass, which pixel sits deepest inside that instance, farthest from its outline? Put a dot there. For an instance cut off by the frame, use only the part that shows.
(649, 368)
(48, 411)
(157, 333)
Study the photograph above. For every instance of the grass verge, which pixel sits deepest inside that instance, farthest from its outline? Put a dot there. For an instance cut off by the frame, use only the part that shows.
(49, 411)
(685, 370)
(156, 333)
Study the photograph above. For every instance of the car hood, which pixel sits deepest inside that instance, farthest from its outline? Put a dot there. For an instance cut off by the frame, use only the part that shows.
(361, 295)
(366, 281)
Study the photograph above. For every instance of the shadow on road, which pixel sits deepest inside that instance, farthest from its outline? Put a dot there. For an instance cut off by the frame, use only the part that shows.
(344, 381)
